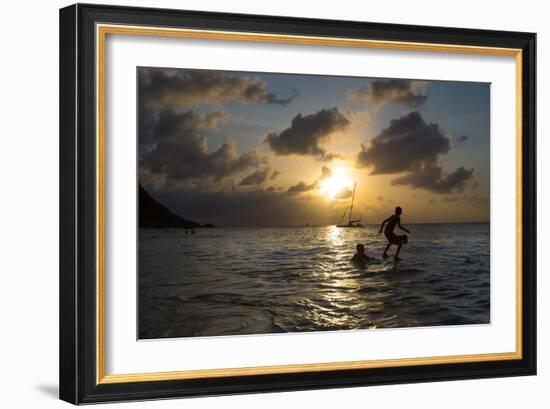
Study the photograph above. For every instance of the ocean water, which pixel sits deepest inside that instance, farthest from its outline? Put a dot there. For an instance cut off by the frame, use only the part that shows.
(234, 281)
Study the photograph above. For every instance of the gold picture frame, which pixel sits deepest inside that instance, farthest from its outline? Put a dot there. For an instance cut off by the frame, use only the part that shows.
(96, 20)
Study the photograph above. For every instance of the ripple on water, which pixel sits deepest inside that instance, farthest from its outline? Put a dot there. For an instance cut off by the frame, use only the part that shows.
(251, 281)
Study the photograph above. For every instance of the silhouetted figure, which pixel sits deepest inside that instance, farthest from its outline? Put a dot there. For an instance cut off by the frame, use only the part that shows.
(360, 256)
(192, 231)
(392, 221)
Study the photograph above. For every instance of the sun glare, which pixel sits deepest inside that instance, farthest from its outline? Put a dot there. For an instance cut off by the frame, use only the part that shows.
(335, 184)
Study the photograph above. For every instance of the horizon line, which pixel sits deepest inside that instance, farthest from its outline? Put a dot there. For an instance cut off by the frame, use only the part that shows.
(316, 225)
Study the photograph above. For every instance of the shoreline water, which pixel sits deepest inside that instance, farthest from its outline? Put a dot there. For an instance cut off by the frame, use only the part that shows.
(239, 280)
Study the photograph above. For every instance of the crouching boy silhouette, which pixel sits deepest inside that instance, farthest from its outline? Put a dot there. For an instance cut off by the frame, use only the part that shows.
(392, 221)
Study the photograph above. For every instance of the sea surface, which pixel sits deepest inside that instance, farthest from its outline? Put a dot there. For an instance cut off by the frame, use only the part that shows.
(234, 281)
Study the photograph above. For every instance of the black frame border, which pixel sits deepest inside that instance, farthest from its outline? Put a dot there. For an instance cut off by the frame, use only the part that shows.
(78, 204)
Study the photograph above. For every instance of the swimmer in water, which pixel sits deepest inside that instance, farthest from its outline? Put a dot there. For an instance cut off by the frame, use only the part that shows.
(360, 256)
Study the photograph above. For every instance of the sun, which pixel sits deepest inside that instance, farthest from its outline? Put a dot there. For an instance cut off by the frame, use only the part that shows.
(334, 184)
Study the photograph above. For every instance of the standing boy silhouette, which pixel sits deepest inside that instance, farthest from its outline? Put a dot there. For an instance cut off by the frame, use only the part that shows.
(394, 220)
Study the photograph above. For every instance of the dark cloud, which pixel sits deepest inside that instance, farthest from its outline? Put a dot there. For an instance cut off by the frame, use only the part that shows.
(161, 88)
(259, 177)
(435, 180)
(156, 125)
(274, 99)
(326, 172)
(307, 133)
(412, 146)
(406, 144)
(301, 187)
(462, 138)
(180, 149)
(381, 91)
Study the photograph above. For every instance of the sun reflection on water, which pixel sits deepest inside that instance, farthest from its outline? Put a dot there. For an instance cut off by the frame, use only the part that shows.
(339, 303)
(252, 281)
(334, 236)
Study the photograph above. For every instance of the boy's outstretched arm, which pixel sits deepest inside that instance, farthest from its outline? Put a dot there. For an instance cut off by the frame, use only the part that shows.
(382, 226)
(403, 228)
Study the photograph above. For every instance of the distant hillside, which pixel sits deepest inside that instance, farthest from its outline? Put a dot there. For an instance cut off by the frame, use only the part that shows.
(154, 214)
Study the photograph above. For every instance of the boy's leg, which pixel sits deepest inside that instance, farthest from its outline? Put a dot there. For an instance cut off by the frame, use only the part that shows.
(385, 256)
(397, 252)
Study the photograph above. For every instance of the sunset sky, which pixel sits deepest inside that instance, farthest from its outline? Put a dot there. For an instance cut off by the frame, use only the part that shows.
(261, 149)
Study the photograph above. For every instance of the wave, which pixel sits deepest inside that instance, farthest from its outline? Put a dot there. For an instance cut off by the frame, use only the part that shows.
(245, 281)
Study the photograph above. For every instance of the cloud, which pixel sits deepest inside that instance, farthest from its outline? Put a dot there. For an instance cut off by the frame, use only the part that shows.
(412, 146)
(273, 99)
(155, 125)
(302, 187)
(259, 176)
(345, 193)
(406, 144)
(162, 88)
(326, 172)
(180, 149)
(407, 92)
(436, 180)
(307, 133)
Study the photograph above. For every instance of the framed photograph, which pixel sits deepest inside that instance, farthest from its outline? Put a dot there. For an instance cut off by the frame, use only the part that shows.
(256, 203)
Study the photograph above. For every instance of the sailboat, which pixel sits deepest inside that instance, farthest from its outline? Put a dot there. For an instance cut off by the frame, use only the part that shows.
(350, 223)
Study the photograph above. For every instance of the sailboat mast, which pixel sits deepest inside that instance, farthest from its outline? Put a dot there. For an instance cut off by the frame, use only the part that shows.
(344, 215)
(352, 198)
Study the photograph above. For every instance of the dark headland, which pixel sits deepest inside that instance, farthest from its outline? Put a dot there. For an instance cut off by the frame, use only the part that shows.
(152, 214)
